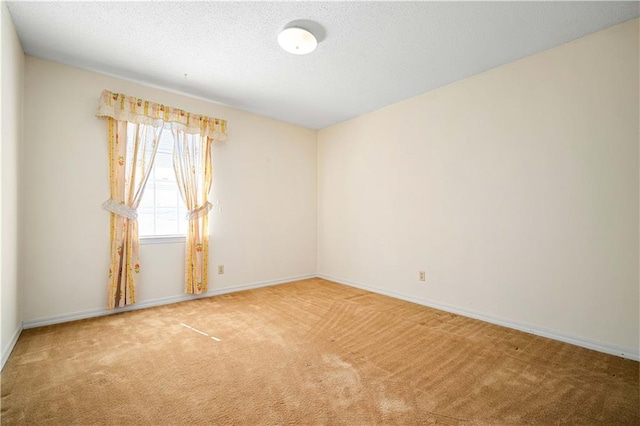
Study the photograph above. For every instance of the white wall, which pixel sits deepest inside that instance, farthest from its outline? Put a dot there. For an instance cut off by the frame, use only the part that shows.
(264, 180)
(11, 125)
(516, 191)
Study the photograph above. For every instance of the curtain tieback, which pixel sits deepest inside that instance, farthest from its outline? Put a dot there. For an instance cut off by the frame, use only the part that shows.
(200, 211)
(119, 209)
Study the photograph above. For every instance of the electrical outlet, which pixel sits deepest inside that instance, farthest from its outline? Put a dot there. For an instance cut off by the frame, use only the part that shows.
(220, 269)
(422, 276)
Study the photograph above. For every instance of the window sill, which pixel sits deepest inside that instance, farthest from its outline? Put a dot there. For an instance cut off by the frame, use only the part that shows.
(166, 239)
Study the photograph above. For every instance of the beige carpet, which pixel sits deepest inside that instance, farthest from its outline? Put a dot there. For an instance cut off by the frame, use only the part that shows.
(309, 352)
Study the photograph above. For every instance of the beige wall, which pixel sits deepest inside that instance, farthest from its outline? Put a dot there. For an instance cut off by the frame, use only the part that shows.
(264, 181)
(11, 130)
(516, 191)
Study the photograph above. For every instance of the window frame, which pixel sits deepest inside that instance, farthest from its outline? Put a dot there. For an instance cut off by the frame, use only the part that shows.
(163, 239)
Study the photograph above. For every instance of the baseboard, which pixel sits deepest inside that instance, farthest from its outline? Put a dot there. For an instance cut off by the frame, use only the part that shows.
(258, 285)
(7, 351)
(40, 322)
(528, 328)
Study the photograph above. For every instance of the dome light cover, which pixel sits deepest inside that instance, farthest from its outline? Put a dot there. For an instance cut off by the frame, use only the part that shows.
(297, 41)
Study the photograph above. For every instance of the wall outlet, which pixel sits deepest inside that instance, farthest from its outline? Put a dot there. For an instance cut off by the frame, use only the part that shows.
(220, 269)
(422, 276)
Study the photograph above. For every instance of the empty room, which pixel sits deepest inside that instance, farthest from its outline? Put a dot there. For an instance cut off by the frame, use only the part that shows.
(320, 213)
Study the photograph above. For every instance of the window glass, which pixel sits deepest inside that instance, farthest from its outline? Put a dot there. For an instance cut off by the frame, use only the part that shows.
(161, 211)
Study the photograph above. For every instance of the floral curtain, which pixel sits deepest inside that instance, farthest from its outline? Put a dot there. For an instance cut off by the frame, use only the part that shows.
(135, 110)
(132, 150)
(192, 165)
(134, 129)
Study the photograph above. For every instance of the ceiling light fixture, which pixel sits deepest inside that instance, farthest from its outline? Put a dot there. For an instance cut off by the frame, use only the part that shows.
(297, 41)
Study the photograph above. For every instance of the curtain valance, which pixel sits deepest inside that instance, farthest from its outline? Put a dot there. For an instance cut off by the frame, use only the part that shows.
(135, 110)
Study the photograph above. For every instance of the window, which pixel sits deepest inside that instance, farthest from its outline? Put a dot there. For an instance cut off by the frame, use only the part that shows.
(161, 213)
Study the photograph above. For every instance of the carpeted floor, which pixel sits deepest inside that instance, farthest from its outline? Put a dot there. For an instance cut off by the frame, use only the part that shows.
(309, 352)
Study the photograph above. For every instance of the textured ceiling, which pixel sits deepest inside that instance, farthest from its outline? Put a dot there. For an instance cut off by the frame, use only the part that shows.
(370, 54)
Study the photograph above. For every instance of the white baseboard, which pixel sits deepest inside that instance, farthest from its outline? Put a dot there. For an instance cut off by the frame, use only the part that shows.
(528, 328)
(259, 284)
(7, 351)
(156, 302)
